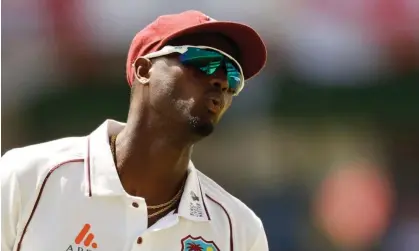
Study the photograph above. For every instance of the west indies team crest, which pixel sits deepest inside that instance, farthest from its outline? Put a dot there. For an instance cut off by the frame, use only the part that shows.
(190, 243)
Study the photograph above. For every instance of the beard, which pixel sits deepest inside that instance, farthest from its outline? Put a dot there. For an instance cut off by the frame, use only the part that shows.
(200, 127)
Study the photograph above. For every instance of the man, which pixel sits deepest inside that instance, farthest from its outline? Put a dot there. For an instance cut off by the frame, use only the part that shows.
(133, 186)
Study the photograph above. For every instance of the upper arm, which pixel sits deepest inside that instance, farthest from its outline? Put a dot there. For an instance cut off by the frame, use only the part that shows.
(261, 243)
(10, 199)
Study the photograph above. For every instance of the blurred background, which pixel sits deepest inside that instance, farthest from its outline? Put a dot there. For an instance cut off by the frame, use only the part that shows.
(323, 144)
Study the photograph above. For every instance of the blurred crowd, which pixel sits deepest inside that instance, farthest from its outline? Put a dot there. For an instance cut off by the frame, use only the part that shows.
(323, 144)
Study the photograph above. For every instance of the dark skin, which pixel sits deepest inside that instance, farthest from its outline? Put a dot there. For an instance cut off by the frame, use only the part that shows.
(172, 108)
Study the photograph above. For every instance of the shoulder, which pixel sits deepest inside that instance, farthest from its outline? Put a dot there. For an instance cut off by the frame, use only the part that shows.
(35, 160)
(246, 225)
(230, 202)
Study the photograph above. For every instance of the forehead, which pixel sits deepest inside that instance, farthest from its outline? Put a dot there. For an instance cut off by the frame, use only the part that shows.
(215, 40)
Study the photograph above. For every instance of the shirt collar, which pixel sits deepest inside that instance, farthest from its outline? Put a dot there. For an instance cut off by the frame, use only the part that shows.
(193, 204)
(103, 179)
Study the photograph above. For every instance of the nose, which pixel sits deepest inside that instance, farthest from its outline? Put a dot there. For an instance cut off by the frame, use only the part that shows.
(220, 83)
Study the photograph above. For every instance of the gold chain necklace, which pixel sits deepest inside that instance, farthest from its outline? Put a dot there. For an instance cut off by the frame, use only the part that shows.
(164, 206)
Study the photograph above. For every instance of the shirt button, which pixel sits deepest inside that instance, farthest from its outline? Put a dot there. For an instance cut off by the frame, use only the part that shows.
(139, 240)
(135, 204)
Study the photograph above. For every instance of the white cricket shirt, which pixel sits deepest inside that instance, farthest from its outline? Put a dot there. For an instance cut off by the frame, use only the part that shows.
(66, 195)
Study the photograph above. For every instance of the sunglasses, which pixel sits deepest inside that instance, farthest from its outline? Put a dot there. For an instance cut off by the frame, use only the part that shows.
(208, 60)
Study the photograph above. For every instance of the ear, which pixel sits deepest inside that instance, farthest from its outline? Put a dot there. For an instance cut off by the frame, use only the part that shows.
(142, 68)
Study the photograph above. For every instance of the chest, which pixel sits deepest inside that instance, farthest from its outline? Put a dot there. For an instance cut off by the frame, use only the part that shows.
(64, 218)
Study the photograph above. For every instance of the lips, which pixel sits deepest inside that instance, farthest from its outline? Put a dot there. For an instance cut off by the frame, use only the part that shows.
(214, 104)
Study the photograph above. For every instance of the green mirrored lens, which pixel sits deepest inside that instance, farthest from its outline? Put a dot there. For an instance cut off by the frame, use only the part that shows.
(209, 61)
(210, 67)
(200, 56)
(233, 75)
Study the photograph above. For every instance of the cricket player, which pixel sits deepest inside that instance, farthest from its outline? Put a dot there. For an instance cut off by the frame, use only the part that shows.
(132, 186)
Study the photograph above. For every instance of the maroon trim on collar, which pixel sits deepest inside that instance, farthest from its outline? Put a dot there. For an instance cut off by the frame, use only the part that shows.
(40, 194)
(229, 221)
(203, 201)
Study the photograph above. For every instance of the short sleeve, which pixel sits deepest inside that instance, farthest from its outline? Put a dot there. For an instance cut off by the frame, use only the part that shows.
(10, 200)
(261, 243)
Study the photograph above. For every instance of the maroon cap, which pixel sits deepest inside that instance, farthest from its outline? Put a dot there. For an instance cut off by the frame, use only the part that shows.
(164, 28)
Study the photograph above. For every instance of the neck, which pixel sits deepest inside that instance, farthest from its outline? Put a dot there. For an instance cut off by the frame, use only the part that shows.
(152, 160)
